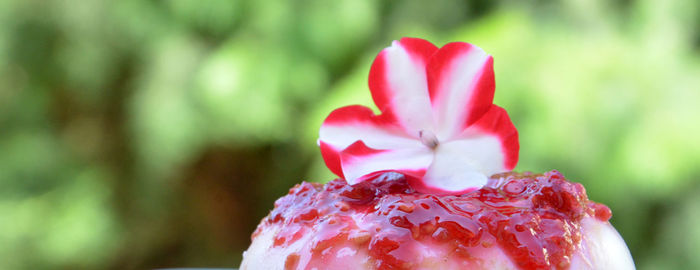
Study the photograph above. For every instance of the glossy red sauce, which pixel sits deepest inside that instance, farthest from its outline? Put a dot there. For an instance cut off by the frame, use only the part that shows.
(534, 218)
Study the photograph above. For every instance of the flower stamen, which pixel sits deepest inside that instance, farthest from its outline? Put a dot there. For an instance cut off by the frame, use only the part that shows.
(428, 139)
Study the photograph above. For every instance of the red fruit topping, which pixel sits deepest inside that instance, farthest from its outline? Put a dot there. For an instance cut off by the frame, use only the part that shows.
(291, 262)
(534, 218)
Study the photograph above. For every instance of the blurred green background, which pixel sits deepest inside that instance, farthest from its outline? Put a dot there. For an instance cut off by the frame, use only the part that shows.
(141, 134)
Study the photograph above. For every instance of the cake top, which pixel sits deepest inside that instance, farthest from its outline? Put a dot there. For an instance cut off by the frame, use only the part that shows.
(534, 218)
(437, 125)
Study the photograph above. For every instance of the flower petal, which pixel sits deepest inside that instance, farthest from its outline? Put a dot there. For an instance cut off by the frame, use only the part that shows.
(487, 147)
(360, 162)
(459, 166)
(349, 124)
(397, 80)
(461, 84)
(497, 124)
(346, 125)
(331, 156)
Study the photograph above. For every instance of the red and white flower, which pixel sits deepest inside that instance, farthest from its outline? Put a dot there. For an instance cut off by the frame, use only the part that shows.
(438, 125)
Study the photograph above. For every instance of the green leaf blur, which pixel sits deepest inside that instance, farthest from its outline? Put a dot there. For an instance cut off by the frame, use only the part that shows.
(146, 134)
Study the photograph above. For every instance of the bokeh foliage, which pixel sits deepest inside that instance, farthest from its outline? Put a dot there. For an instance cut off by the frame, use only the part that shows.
(140, 134)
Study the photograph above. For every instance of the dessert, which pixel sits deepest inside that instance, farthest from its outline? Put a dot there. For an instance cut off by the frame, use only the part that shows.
(427, 183)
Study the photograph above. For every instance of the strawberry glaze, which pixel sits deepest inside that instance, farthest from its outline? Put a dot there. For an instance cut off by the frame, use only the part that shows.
(534, 218)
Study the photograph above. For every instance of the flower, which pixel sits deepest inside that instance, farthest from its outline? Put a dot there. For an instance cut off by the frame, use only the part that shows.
(438, 125)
